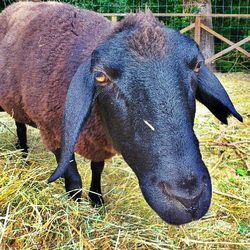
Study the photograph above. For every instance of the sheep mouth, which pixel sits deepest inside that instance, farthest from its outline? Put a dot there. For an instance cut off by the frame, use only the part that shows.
(190, 205)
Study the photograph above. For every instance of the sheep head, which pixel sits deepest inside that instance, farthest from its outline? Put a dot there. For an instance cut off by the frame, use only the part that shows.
(145, 79)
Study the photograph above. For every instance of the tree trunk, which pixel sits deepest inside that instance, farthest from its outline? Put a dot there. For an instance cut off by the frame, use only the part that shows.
(207, 40)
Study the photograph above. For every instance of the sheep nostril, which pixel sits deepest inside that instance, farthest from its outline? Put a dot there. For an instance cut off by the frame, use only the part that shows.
(188, 185)
(165, 187)
(190, 202)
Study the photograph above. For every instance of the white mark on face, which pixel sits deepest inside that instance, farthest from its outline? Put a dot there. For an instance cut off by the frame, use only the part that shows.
(148, 124)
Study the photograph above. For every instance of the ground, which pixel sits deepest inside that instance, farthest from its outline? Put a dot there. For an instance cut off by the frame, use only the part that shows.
(37, 215)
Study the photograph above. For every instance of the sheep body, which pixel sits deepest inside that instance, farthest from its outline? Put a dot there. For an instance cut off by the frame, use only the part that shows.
(43, 51)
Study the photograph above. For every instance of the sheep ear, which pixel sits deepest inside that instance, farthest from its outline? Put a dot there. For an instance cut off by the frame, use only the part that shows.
(76, 111)
(211, 93)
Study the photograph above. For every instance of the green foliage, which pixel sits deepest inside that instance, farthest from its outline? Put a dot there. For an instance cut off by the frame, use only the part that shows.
(241, 171)
(243, 228)
(234, 29)
(103, 6)
(232, 179)
(4, 3)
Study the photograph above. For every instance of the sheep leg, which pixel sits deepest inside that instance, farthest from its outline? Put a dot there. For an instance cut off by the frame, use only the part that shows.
(22, 137)
(72, 179)
(95, 193)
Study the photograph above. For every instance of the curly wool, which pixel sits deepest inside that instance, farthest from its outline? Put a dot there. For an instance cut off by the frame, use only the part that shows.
(41, 47)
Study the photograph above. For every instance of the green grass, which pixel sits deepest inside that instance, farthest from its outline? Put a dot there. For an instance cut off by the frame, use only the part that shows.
(37, 215)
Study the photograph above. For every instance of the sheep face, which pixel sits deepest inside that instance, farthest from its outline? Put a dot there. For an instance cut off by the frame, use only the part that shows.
(145, 82)
(147, 100)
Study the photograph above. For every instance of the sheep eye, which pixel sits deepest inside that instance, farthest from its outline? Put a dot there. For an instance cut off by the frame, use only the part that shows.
(197, 67)
(101, 78)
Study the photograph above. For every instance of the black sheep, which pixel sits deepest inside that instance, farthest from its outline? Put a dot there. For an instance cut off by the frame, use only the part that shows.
(133, 93)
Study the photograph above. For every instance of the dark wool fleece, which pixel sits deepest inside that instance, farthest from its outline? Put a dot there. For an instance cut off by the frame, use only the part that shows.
(42, 46)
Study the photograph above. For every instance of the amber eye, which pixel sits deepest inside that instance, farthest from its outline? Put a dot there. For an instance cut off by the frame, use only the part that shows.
(197, 67)
(101, 78)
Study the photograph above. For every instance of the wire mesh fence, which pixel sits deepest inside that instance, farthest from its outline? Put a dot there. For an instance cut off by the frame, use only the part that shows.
(232, 28)
(235, 29)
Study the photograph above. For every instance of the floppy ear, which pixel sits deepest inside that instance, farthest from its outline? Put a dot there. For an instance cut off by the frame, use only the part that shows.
(211, 93)
(76, 111)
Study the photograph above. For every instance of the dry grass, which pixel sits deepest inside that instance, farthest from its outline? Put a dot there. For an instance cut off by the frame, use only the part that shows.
(35, 215)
